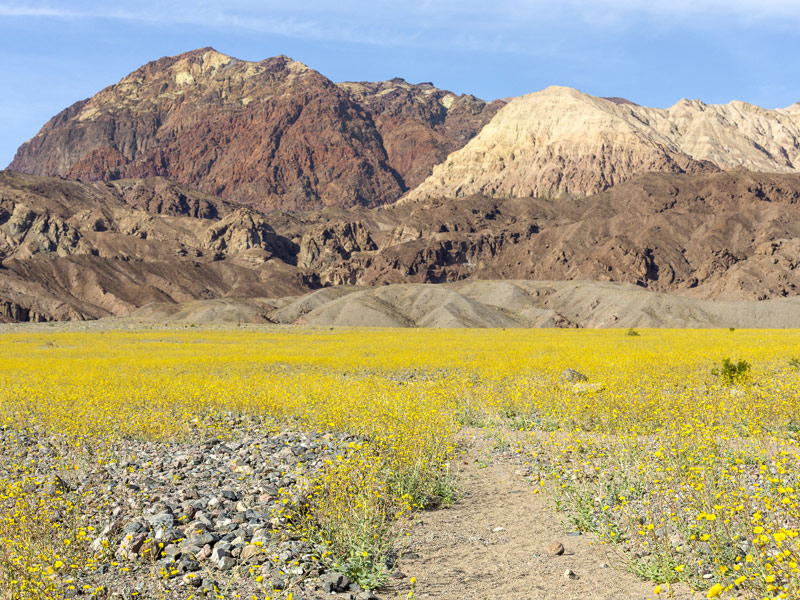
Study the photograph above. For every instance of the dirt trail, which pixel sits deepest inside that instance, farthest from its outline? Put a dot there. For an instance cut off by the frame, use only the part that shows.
(491, 544)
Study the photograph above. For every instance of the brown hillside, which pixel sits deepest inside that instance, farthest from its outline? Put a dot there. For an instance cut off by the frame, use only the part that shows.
(84, 250)
(420, 124)
(273, 134)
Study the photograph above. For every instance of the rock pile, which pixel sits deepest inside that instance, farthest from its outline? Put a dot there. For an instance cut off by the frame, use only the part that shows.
(209, 518)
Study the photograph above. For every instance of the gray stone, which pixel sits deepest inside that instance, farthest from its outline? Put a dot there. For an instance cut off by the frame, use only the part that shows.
(572, 376)
(56, 486)
(217, 554)
(188, 565)
(334, 582)
(202, 539)
(187, 548)
(164, 519)
(167, 535)
(134, 526)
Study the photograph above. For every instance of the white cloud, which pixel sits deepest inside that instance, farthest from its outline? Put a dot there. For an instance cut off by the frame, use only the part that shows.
(747, 11)
(235, 16)
(29, 11)
(500, 25)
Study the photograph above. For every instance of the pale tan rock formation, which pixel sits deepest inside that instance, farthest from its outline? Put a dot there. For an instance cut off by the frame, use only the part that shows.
(561, 142)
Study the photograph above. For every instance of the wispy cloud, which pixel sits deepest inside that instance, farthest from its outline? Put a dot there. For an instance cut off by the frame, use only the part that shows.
(535, 27)
(31, 11)
(290, 23)
(49, 12)
(434, 14)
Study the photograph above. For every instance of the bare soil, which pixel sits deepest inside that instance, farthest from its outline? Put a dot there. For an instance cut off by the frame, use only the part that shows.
(492, 543)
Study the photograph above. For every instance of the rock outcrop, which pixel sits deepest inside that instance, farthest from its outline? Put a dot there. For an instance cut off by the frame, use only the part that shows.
(72, 250)
(335, 241)
(245, 230)
(723, 236)
(27, 233)
(562, 143)
(419, 123)
(86, 250)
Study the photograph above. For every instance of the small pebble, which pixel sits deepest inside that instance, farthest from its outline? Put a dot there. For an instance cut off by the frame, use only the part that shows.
(555, 548)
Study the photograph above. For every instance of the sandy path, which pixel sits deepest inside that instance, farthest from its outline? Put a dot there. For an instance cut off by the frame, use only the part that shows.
(491, 544)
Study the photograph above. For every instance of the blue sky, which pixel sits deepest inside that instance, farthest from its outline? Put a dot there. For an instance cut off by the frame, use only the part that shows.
(53, 53)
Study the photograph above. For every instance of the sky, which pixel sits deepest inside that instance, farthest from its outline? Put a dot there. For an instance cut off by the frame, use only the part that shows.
(54, 53)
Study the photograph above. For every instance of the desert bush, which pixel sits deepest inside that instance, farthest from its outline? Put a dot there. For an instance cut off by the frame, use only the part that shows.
(732, 372)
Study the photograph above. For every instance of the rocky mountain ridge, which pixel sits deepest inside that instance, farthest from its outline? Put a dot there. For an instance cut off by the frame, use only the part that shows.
(563, 143)
(72, 250)
(420, 124)
(203, 178)
(277, 135)
(273, 134)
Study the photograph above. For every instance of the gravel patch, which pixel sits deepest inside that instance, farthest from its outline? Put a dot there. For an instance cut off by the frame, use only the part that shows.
(204, 518)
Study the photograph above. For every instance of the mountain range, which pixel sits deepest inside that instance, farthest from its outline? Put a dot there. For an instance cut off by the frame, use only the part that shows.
(200, 176)
(273, 134)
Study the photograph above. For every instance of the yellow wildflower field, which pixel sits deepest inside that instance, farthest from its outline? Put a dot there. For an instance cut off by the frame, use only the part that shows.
(689, 466)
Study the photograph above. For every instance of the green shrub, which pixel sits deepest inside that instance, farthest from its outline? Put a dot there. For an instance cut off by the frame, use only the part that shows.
(732, 372)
